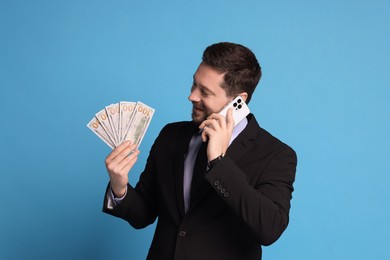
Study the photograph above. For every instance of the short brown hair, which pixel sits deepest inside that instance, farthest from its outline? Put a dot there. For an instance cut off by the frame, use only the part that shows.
(241, 68)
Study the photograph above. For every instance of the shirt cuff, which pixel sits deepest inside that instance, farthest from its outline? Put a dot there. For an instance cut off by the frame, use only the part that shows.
(112, 201)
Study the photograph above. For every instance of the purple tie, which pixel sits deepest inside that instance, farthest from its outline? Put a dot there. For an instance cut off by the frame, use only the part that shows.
(189, 164)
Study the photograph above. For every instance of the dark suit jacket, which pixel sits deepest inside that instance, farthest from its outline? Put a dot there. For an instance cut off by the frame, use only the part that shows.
(243, 202)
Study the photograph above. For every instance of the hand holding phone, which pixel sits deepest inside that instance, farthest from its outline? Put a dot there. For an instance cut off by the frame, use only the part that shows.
(240, 109)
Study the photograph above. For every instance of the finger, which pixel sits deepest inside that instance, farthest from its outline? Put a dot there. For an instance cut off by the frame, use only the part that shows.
(205, 134)
(125, 153)
(209, 127)
(217, 117)
(203, 124)
(119, 157)
(214, 122)
(207, 121)
(116, 167)
(129, 162)
(128, 159)
(222, 121)
(118, 150)
(230, 119)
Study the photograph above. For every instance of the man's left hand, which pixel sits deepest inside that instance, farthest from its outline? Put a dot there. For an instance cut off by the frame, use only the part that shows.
(218, 130)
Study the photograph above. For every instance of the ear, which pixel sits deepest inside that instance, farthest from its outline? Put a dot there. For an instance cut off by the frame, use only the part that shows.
(243, 95)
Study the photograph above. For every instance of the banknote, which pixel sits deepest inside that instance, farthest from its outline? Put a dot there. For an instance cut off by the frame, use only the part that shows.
(113, 117)
(97, 128)
(122, 121)
(105, 123)
(126, 110)
(139, 123)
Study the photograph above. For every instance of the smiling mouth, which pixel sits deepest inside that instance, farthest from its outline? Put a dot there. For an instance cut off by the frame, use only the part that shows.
(197, 109)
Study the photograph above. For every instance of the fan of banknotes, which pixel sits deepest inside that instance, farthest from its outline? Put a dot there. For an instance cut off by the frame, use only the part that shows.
(121, 122)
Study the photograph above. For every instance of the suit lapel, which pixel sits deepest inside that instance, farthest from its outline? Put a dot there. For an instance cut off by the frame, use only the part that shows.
(244, 141)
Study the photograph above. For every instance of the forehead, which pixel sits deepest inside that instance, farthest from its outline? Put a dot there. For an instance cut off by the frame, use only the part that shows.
(208, 77)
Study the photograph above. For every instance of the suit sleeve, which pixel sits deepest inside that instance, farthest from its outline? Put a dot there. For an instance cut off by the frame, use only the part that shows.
(263, 204)
(138, 207)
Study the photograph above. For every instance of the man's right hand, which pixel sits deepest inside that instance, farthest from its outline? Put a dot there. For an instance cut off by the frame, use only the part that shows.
(118, 163)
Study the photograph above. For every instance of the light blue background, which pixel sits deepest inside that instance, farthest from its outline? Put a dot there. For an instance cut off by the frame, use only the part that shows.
(324, 91)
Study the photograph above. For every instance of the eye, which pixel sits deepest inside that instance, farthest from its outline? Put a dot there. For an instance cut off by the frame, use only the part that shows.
(204, 92)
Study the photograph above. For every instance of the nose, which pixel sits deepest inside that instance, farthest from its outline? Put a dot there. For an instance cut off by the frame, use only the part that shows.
(194, 96)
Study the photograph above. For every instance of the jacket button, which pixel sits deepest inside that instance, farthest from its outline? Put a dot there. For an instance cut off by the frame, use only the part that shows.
(216, 183)
(219, 187)
(223, 190)
(226, 194)
(182, 233)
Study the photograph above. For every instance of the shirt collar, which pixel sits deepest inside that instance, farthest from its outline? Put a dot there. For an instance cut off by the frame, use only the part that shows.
(238, 129)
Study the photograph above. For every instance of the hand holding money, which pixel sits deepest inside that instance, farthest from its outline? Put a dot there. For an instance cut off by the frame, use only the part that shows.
(123, 121)
(118, 163)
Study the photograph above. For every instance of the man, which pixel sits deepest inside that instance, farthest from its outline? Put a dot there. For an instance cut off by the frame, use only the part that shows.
(218, 191)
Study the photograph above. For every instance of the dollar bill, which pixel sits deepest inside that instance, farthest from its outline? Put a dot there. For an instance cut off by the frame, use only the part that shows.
(126, 111)
(113, 118)
(139, 123)
(97, 128)
(105, 123)
(121, 122)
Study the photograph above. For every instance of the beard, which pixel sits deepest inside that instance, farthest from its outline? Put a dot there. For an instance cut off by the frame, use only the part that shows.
(199, 114)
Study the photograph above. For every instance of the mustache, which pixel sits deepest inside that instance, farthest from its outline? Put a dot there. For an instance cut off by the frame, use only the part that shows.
(198, 106)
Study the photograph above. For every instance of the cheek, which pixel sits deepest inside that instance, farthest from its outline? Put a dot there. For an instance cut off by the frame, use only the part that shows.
(211, 107)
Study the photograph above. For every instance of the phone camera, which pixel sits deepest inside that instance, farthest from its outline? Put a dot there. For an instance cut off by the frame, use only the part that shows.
(239, 100)
(239, 106)
(234, 104)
